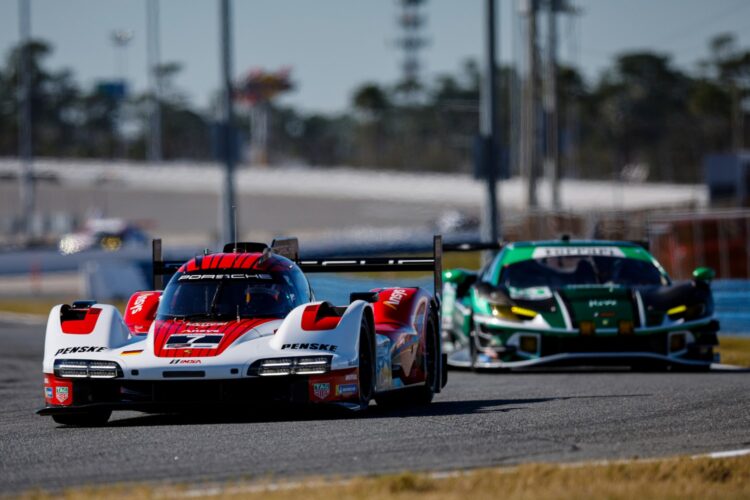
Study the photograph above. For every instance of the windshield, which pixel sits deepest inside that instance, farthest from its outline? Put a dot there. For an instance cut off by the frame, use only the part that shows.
(557, 272)
(221, 296)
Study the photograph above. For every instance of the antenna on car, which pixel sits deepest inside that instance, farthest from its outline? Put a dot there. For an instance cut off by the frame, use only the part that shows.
(234, 221)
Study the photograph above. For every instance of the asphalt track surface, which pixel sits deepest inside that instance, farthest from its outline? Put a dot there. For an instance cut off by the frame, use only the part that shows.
(479, 420)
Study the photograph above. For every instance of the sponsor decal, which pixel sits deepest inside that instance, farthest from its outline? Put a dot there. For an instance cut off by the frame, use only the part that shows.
(185, 362)
(542, 252)
(240, 276)
(531, 293)
(79, 349)
(194, 341)
(61, 393)
(138, 304)
(350, 377)
(131, 353)
(395, 298)
(346, 389)
(207, 324)
(48, 392)
(322, 390)
(602, 303)
(313, 347)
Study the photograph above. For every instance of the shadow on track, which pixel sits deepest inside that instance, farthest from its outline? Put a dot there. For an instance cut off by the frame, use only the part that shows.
(297, 414)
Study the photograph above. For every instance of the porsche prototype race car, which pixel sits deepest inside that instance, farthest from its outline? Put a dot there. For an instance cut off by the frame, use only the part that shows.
(576, 302)
(243, 327)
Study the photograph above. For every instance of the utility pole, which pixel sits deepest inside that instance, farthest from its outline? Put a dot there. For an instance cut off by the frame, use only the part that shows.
(529, 135)
(551, 114)
(25, 147)
(412, 41)
(153, 56)
(120, 40)
(488, 127)
(227, 223)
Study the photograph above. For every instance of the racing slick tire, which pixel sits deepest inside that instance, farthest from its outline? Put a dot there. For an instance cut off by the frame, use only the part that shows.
(422, 395)
(366, 364)
(473, 351)
(93, 418)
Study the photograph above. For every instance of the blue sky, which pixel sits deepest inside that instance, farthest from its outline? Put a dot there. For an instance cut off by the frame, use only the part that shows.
(333, 45)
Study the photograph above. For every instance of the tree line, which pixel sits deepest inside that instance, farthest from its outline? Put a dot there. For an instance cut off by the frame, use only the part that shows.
(643, 117)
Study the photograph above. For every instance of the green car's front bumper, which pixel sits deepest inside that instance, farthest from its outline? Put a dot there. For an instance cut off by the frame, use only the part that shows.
(688, 344)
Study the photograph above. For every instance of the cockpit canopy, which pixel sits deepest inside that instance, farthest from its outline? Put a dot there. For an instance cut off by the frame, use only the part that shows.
(232, 293)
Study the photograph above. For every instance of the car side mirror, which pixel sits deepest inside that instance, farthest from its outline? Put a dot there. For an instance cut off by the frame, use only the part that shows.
(704, 274)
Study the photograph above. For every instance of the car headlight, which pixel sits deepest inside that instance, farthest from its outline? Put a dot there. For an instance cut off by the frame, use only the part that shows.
(686, 312)
(79, 368)
(305, 365)
(512, 313)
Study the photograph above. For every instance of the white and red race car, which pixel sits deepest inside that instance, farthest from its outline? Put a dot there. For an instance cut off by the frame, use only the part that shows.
(243, 327)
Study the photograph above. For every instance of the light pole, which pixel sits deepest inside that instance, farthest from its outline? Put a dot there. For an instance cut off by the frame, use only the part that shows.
(25, 147)
(227, 222)
(551, 97)
(529, 126)
(488, 127)
(153, 54)
(120, 40)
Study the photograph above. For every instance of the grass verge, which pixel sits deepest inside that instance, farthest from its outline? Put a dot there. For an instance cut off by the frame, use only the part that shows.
(735, 350)
(40, 306)
(676, 478)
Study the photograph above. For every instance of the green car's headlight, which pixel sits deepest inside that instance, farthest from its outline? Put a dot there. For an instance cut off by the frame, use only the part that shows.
(686, 312)
(512, 313)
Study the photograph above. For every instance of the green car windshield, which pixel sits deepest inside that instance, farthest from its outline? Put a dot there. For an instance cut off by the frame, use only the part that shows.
(562, 271)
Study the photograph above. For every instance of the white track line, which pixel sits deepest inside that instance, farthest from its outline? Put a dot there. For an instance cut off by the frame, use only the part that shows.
(725, 454)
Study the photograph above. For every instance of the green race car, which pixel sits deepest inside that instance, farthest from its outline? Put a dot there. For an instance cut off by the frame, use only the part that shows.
(577, 303)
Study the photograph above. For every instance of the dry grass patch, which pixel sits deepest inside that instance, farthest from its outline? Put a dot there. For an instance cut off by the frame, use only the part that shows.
(679, 478)
(41, 307)
(735, 350)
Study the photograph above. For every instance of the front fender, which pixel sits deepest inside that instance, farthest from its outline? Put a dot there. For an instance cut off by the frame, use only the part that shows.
(310, 329)
(104, 332)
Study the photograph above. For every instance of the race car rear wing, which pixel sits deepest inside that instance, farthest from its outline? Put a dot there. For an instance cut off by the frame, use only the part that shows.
(289, 248)
(433, 264)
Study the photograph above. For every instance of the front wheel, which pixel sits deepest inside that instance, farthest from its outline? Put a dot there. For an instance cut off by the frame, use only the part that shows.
(92, 418)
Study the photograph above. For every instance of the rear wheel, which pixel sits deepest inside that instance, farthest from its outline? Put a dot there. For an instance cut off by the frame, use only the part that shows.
(86, 419)
(473, 351)
(366, 364)
(422, 395)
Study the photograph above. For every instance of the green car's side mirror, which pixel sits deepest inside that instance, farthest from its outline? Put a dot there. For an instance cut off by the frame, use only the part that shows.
(456, 276)
(705, 274)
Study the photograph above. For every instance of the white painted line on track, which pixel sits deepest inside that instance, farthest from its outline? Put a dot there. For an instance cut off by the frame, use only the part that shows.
(729, 368)
(725, 454)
